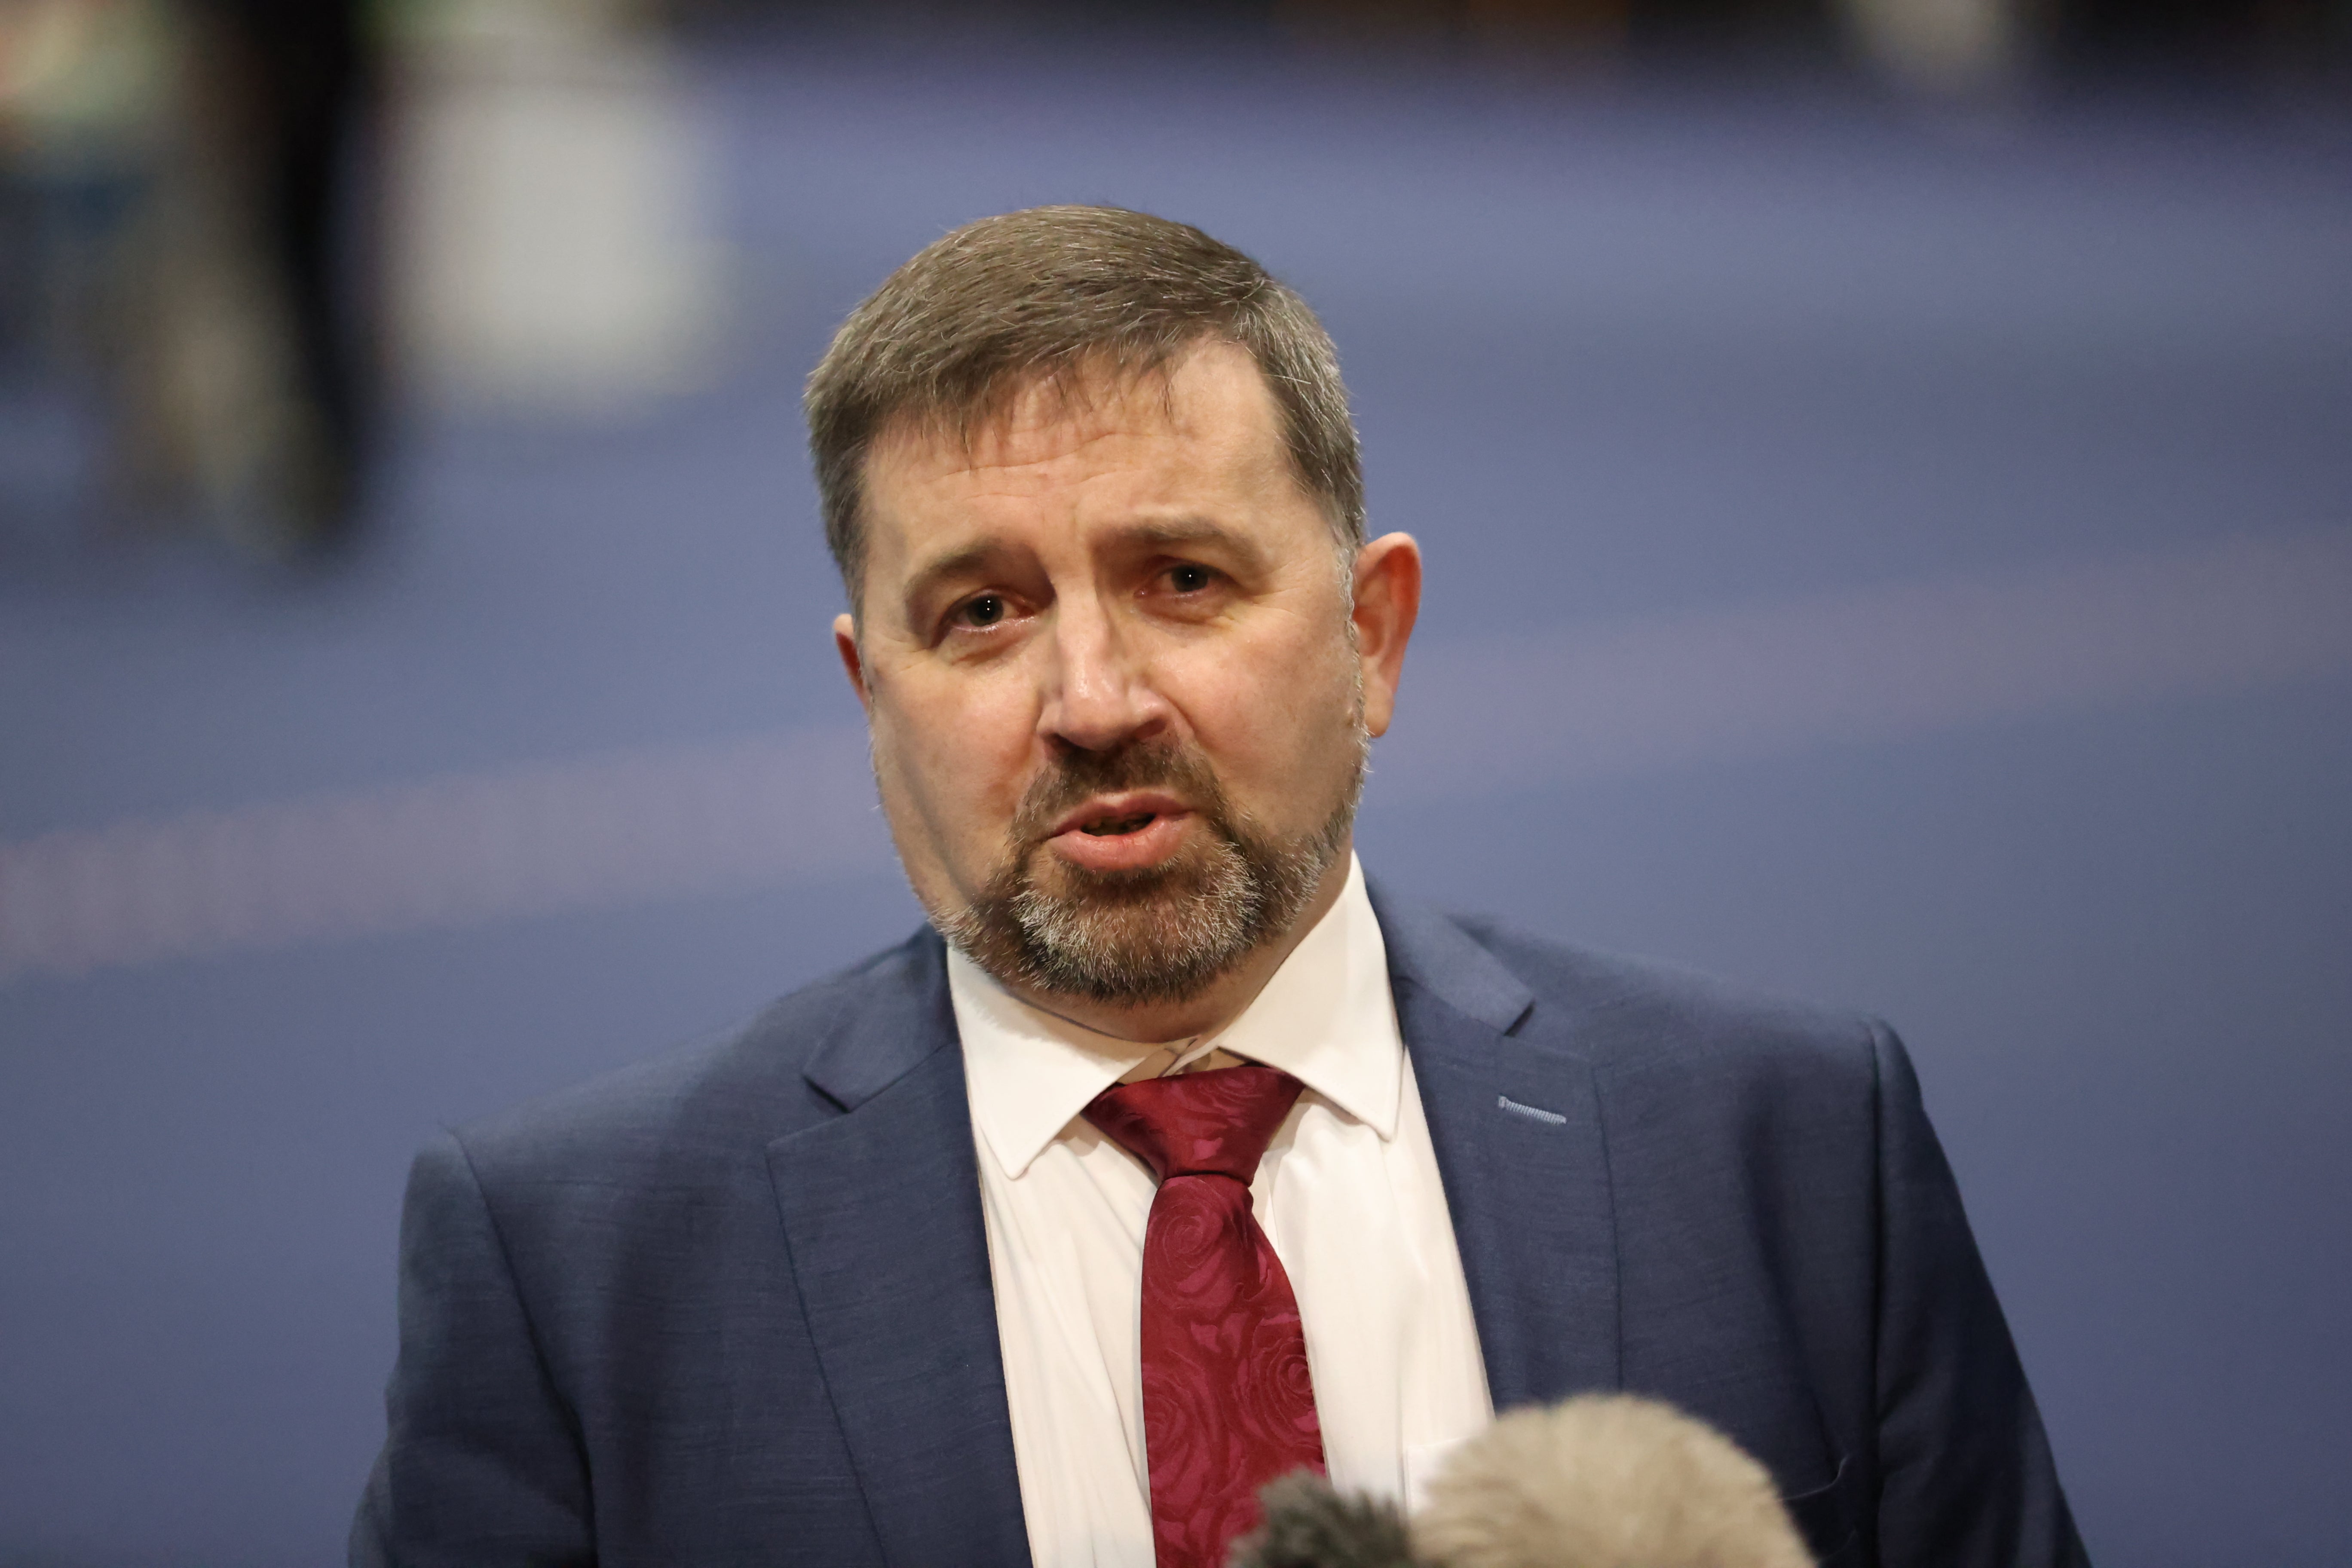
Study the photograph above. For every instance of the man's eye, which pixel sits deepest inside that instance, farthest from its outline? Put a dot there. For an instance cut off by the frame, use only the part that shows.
(985, 611)
(1189, 579)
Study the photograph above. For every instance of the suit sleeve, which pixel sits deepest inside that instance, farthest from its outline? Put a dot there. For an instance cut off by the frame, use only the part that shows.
(481, 1463)
(1965, 1472)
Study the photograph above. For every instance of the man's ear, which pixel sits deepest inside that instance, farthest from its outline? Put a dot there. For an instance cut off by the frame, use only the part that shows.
(1388, 601)
(845, 643)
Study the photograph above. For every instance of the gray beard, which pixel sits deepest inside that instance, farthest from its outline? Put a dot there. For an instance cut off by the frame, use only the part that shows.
(1164, 934)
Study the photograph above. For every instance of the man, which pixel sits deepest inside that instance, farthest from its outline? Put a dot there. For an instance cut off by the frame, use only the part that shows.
(1188, 1156)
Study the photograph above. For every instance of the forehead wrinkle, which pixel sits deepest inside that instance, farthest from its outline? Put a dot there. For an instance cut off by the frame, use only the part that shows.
(1006, 470)
(1117, 398)
(1069, 480)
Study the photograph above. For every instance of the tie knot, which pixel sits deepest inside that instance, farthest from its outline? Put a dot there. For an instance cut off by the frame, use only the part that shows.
(1196, 1124)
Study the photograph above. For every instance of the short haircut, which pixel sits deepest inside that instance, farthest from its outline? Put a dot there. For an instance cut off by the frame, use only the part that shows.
(1054, 294)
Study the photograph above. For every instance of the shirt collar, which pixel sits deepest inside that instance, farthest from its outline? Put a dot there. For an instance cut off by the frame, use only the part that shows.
(1326, 1018)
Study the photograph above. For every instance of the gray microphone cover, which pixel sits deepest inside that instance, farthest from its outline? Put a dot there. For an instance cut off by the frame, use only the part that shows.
(1310, 1525)
(1604, 1482)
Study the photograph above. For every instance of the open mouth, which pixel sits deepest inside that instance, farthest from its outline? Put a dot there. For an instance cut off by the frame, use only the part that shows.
(1123, 832)
(1118, 826)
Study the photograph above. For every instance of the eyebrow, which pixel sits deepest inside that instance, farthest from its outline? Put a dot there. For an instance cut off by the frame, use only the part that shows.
(1162, 533)
(1194, 531)
(970, 559)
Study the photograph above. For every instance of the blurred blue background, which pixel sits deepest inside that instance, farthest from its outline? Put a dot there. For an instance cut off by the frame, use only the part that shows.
(1891, 544)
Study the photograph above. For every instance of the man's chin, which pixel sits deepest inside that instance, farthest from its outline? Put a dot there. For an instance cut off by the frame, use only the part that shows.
(1189, 873)
(1126, 937)
(1162, 931)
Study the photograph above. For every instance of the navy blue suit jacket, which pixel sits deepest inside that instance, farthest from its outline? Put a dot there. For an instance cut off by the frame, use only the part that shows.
(734, 1306)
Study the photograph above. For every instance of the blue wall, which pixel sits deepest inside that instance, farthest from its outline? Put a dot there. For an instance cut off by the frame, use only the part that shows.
(1633, 359)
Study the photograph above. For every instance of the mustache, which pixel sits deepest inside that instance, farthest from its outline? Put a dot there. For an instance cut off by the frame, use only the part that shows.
(1078, 776)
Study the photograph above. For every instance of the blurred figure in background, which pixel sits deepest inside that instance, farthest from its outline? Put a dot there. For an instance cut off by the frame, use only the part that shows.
(548, 245)
(180, 181)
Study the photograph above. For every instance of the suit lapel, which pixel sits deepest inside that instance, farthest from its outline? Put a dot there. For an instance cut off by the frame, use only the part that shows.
(881, 1212)
(1515, 1115)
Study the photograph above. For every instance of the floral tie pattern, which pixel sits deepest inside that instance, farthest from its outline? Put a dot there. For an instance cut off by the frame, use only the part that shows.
(1227, 1402)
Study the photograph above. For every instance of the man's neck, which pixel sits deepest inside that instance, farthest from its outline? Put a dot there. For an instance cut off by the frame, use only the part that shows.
(1157, 1023)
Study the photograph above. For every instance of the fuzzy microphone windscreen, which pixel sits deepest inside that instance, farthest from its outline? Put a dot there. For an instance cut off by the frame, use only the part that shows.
(1604, 1482)
(1310, 1525)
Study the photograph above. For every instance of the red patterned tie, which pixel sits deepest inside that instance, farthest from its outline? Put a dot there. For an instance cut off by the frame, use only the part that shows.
(1227, 1405)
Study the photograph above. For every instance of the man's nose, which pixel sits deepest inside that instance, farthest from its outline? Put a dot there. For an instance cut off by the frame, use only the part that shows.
(1099, 693)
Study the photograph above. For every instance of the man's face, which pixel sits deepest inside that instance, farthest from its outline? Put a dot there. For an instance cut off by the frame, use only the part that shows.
(1119, 715)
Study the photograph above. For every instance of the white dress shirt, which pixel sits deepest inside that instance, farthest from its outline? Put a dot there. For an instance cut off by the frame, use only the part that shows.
(1347, 1193)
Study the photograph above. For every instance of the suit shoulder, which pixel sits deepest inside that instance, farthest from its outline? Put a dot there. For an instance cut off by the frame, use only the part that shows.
(725, 1096)
(1629, 1014)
